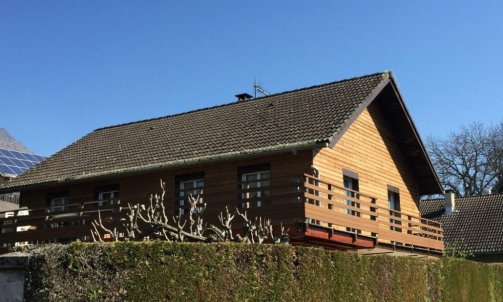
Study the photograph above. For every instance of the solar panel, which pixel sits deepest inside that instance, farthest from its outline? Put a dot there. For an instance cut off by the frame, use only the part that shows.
(5, 153)
(5, 170)
(30, 157)
(16, 170)
(8, 161)
(18, 155)
(29, 163)
(13, 163)
(17, 163)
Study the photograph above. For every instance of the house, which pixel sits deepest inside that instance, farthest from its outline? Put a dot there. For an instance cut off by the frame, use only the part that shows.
(472, 224)
(341, 163)
(14, 160)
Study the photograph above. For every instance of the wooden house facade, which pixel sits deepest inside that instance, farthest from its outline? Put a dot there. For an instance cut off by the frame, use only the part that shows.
(341, 164)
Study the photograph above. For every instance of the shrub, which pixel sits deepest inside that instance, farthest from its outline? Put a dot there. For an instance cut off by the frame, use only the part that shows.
(164, 271)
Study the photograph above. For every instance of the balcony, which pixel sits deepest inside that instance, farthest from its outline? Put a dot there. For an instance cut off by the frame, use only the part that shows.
(329, 210)
(333, 207)
(53, 224)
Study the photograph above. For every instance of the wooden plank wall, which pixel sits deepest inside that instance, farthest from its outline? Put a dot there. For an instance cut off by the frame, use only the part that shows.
(370, 149)
(221, 187)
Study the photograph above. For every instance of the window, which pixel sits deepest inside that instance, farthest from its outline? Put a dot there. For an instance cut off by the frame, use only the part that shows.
(255, 186)
(58, 202)
(394, 207)
(394, 200)
(106, 195)
(352, 187)
(107, 198)
(186, 186)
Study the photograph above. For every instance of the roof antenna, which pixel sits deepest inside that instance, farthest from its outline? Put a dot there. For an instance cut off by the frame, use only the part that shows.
(257, 88)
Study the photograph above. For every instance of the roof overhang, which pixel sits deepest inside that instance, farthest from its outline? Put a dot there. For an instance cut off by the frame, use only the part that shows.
(306, 145)
(387, 96)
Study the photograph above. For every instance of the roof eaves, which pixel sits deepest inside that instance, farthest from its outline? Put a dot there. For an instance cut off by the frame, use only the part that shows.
(481, 252)
(416, 133)
(177, 163)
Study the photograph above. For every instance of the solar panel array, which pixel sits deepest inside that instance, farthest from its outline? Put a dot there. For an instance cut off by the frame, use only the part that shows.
(13, 163)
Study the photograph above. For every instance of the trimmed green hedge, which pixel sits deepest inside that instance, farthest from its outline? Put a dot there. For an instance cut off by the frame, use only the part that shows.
(162, 271)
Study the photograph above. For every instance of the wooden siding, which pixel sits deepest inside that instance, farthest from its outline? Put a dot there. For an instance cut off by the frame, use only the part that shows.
(370, 148)
(220, 189)
(328, 207)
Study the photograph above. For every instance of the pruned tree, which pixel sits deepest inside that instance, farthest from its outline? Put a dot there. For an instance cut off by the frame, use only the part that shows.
(469, 161)
(151, 221)
(98, 227)
(225, 232)
(258, 229)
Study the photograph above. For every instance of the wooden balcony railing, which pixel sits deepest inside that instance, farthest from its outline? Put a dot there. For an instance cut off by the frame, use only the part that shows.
(325, 203)
(53, 223)
(333, 206)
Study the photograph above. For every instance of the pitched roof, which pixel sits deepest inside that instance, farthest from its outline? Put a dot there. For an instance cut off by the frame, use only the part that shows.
(476, 225)
(303, 118)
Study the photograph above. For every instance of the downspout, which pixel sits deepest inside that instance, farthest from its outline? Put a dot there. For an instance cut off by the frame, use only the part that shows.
(316, 173)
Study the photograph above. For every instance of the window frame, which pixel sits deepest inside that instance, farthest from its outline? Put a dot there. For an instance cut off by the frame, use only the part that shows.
(56, 207)
(181, 204)
(259, 194)
(58, 196)
(114, 197)
(395, 193)
(99, 191)
(351, 191)
(394, 198)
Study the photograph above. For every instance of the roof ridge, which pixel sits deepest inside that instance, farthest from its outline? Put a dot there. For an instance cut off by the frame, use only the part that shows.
(464, 197)
(383, 73)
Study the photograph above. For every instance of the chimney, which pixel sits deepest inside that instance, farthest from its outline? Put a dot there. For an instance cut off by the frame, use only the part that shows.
(243, 97)
(450, 201)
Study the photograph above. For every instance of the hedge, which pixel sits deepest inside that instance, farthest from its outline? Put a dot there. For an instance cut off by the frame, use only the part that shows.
(163, 271)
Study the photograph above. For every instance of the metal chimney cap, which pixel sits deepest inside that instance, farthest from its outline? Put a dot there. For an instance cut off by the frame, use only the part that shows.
(244, 96)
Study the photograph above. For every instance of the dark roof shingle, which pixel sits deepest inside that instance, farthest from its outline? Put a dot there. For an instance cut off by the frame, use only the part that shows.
(303, 116)
(476, 225)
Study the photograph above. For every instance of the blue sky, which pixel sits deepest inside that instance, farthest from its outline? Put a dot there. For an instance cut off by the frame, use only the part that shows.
(69, 67)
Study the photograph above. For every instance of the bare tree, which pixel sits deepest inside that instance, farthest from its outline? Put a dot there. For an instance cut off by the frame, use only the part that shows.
(496, 156)
(151, 221)
(468, 161)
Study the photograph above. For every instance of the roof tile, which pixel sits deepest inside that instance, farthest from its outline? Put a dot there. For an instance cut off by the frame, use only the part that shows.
(305, 115)
(476, 225)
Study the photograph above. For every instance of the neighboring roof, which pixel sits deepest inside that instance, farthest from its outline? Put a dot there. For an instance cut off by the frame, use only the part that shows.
(303, 118)
(476, 225)
(14, 163)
